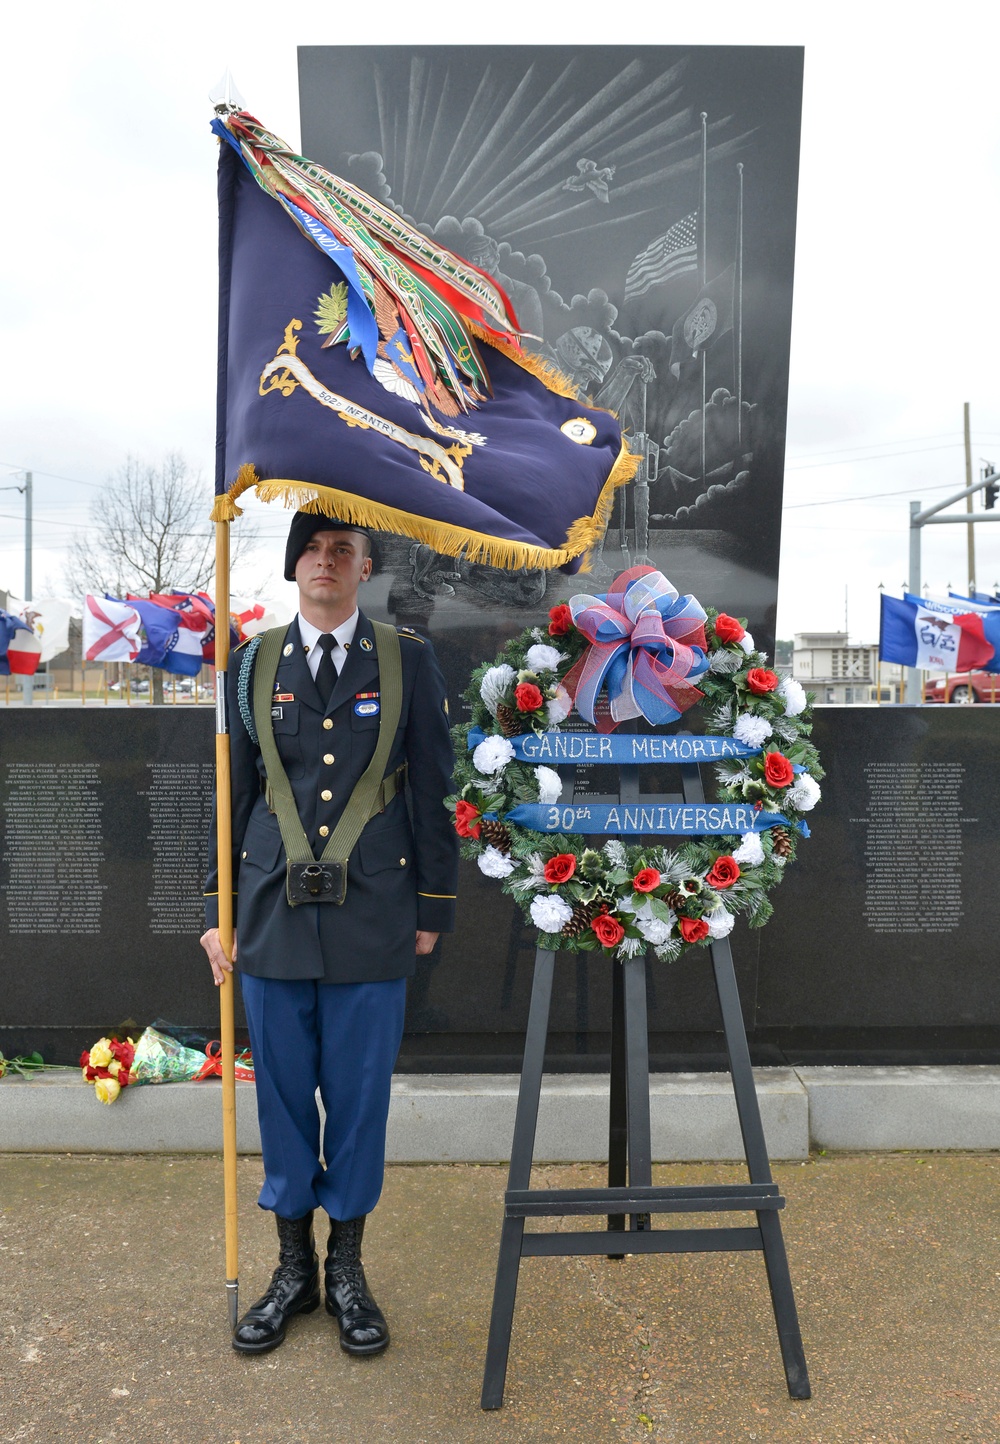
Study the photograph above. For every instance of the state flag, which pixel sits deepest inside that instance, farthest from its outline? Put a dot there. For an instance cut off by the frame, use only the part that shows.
(111, 630)
(915, 634)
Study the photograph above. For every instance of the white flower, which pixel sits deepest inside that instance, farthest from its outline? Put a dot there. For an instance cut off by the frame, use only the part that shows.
(749, 850)
(550, 913)
(804, 794)
(720, 922)
(747, 643)
(794, 695)
(492, 863)
(543, 658)
(549, 784)
(560, 706)
(495, 683)
(492, 755)
(654, 930)
(751, 730)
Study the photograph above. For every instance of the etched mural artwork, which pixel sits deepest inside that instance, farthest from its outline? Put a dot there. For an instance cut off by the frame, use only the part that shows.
(638, 208)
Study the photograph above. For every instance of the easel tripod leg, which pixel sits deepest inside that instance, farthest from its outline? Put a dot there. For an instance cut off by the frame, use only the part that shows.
(783, 1302)
(502, 1317)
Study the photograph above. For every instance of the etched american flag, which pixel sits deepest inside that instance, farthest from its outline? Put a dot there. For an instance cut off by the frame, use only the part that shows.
(669, 255)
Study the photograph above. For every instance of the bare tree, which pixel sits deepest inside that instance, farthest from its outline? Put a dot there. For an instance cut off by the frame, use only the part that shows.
(150, 533)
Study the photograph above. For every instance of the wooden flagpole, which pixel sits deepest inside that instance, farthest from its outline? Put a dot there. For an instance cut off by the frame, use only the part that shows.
(224, 834)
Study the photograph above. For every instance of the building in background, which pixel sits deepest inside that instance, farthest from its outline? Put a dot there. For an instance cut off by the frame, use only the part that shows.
(842, 672)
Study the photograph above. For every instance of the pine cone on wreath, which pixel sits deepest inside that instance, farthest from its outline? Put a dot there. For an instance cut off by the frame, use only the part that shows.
(781, 841)
(583, 915)
(676, 900)
(512, 723)
(496, 834)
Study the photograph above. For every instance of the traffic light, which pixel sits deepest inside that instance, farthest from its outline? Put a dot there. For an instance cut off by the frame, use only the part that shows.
(990, 495)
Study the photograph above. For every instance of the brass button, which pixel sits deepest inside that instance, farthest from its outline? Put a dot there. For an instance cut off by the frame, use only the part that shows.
(326, 795)
(328, 758)
(402, 862)
(327, 723)
(324, 832)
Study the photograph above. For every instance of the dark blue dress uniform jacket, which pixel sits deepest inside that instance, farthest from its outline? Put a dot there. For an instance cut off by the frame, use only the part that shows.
(403, 871)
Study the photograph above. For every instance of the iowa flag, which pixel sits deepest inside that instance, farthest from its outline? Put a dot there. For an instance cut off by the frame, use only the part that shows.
(366, 374)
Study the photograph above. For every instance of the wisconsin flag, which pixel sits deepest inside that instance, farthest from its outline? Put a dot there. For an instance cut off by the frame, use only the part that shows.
(918, 634)
(367, 374)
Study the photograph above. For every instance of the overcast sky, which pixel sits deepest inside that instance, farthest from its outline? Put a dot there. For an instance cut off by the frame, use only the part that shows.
(107, 258)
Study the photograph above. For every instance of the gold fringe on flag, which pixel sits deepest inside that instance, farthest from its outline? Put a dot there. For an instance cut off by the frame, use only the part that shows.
(444, 537)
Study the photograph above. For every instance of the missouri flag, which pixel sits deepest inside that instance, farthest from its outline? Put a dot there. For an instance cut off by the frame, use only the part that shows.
(367, 374)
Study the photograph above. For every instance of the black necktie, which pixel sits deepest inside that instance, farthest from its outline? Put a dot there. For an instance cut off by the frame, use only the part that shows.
(326, 672)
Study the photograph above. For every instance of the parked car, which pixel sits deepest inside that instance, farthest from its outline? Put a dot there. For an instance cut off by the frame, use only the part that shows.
(963, 687)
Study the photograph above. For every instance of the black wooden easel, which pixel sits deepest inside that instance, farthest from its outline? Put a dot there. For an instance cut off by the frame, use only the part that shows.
(630, 1200)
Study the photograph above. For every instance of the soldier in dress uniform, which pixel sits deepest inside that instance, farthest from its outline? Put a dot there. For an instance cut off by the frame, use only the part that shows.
(324, 986)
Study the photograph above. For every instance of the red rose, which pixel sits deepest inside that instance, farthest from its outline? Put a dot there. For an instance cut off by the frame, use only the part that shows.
(560, 620)
(693, 929)
(85, 1058)
(761, 681)
(778, 771)
(560, 868)
(124, 1077)
(728, 629)
(467, 819)
(646, 880)
(724, 873)
(609, 931)
(528, 697)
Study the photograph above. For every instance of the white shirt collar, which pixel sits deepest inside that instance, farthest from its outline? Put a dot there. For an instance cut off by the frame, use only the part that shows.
(310, 635)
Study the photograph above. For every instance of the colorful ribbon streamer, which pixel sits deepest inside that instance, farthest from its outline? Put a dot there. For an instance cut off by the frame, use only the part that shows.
(647, 644)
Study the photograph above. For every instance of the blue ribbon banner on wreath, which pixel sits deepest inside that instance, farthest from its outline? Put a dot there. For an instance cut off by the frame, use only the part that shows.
(553, 748)
(652, 819)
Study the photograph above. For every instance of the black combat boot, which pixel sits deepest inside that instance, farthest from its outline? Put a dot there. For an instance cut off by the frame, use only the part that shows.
(363, 1329)
(294, 1289)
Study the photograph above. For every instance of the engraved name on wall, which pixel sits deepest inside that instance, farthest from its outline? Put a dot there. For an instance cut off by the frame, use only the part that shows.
(53, 847)
(180, 810)
(913, 847)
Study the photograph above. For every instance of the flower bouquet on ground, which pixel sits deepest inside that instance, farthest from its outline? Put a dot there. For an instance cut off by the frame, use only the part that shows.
(112, 1064)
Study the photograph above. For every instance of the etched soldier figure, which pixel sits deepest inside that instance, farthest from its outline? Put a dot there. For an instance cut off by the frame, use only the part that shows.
(320, 712)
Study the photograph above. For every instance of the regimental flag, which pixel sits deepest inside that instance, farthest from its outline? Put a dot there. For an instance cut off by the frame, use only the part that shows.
(917, 634)
(367, 374)
(668, 256)
(110, 630)
(702, 324)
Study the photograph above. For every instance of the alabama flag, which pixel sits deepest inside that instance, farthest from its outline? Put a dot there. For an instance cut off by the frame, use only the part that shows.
(111, 630)
(917, 635)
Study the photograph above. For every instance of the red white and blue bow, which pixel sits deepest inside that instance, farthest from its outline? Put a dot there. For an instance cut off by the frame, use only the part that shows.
(647, 645)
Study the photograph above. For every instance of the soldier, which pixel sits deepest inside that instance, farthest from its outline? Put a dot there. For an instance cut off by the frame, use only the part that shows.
(324, 986)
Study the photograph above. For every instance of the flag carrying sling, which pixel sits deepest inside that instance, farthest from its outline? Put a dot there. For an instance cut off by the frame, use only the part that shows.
(324, 879)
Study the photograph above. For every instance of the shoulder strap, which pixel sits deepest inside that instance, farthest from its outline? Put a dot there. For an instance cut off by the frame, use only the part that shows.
(368, 789)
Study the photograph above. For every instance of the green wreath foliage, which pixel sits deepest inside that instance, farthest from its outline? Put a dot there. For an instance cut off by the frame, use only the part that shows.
(626, 898)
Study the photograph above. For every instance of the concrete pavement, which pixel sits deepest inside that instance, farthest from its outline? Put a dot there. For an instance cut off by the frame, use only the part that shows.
(113, 1325)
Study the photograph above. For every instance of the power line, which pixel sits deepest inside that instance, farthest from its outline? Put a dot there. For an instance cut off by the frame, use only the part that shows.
(879, 456)
(869, 496)
(867, 445)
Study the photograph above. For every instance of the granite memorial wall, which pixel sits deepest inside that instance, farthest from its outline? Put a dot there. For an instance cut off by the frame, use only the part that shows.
(882, 947)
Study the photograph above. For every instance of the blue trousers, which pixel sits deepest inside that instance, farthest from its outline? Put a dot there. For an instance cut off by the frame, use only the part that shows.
(342, 1038)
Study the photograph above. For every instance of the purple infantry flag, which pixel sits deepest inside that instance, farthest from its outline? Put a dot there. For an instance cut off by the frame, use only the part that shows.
(369, 374)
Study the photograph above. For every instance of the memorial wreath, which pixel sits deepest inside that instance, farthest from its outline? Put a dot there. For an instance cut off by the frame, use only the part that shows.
(639, 651)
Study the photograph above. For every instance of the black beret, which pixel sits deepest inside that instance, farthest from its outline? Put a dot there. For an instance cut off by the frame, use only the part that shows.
(304, 525)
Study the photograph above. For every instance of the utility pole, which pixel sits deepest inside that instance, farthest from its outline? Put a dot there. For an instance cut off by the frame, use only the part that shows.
(27, 683)
(968, 505)
(989, 484)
